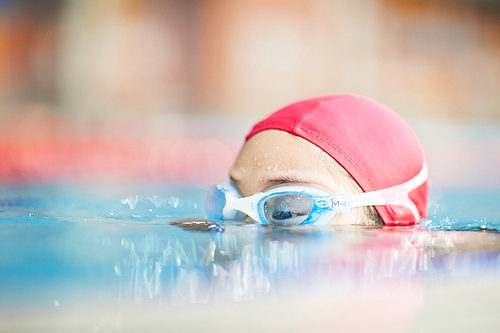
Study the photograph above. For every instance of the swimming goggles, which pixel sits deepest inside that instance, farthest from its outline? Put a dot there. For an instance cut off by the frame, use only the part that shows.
(302, 203)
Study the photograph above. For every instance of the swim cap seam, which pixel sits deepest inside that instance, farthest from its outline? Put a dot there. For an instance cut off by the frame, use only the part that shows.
(341, 152)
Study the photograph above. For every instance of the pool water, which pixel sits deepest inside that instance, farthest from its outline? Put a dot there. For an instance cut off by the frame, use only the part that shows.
(108, 257)
(461, 209)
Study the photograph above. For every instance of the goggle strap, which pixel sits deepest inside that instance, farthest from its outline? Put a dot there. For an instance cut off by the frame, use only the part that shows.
(397, 195)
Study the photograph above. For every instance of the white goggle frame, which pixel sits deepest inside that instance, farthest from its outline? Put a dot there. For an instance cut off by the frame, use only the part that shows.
(397, 195)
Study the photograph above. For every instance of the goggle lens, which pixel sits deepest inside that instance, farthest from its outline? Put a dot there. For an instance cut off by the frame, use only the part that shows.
(287, 209)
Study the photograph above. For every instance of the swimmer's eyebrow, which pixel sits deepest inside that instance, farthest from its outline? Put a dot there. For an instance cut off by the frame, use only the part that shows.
(284, 179)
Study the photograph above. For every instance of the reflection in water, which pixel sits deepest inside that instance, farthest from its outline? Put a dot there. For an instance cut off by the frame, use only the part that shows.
(246, 262)
(64, 247)
(113, 274)
(228, 266)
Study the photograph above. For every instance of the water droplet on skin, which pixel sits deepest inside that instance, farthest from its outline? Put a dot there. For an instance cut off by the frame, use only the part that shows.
(255, 159)
(276, 167)
(269, 167)
(259, 164)
(290, 170)
(242, 169)
(277, 147)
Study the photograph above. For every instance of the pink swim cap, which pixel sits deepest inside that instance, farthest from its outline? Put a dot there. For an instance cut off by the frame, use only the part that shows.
(374, 144)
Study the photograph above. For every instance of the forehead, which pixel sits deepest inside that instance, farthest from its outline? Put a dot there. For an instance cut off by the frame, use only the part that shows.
(279, 145)
(273, 156)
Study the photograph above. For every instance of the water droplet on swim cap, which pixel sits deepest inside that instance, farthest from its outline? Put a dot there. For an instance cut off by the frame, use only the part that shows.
(374, 144)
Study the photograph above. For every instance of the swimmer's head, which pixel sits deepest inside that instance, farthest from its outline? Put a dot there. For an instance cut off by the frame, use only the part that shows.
(348, 144)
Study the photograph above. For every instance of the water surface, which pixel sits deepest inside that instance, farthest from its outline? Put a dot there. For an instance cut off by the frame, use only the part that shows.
(114, 247)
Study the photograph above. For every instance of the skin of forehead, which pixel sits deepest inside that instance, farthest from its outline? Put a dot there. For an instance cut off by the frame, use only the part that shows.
(271, 156)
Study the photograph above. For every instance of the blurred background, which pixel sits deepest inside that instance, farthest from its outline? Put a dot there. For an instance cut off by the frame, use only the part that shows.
(165, 90)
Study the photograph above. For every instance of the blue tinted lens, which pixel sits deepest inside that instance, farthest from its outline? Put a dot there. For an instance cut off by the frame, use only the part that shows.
(287, 209)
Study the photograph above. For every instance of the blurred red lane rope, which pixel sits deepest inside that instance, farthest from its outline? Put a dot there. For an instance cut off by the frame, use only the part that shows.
(94, 157)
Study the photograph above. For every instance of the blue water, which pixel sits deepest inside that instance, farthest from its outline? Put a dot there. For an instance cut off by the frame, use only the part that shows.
(114, 244)
(461, 209)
